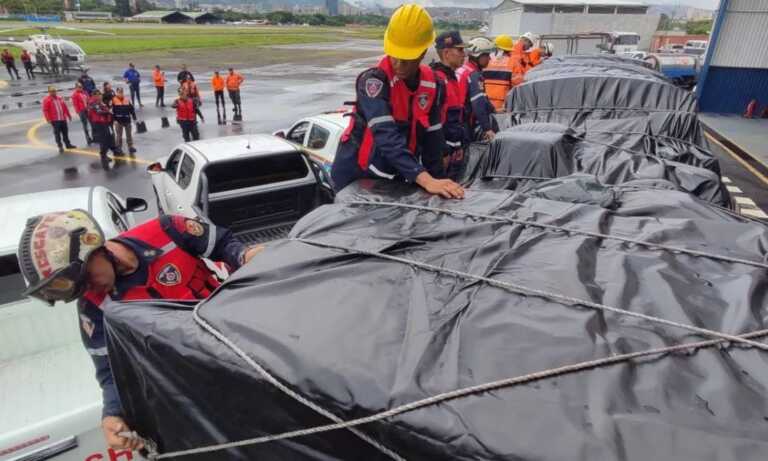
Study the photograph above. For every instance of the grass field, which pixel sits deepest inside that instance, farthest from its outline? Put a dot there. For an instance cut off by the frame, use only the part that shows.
(138, 38)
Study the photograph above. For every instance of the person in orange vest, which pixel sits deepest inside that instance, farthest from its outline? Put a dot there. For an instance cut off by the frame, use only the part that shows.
(158, 77)
(523, 48)
(217, 84)
(505, 71)
(123, 115)
(186, 116)
(234, 80)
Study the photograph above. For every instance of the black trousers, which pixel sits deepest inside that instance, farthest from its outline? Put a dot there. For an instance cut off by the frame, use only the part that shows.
(84, 120)
(189, 130)
(160, 99)
(61, 132)
(234, 96)
(135, 93)
(103, 135)
(220, 100)
(30, 70)
(12, 68)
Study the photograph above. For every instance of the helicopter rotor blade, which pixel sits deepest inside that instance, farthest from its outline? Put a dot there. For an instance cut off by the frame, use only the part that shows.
(90, 31)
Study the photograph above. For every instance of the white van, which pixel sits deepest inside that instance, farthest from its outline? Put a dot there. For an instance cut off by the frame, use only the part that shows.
(50, 402)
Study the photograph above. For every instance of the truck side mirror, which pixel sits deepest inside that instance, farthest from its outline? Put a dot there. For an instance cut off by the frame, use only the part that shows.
(134, 204)
(280, 134)
(154, 168)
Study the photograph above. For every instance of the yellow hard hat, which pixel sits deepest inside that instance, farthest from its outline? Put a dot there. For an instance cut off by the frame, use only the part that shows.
(504, 42)
(409, 32)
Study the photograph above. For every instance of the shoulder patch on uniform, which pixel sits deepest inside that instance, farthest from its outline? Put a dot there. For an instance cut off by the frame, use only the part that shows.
(423, 100)
(194, 227)
(373, 87)
(169, 275)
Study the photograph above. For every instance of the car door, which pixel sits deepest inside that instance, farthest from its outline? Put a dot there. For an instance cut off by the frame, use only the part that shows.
(181, 193)
(166, 179)
(298, 133)
(322, 143)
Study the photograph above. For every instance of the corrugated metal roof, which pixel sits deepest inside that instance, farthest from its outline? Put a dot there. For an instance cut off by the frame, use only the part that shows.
(154, 14)
(583, 2)
(743, 35)
(196, 14)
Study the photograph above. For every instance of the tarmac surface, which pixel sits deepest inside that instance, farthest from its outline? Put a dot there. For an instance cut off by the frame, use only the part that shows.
(274, 96)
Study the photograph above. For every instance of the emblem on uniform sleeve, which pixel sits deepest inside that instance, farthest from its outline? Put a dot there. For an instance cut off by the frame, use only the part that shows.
(169, 275)
(373, 87)
(423, 100)
(194, 227)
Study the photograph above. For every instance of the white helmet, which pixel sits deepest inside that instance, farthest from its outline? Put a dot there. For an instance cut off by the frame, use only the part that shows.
(479, 46)
(531, 36)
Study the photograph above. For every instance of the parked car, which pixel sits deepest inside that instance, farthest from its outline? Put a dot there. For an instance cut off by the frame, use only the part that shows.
(256, 185)
(695, 47)
(319, 135)
(51, 401)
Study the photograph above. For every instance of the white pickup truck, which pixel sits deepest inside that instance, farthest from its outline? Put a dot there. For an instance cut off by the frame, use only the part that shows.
(256, 185)
(50, 402)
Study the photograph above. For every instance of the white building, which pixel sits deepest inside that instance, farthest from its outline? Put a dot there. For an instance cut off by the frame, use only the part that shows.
(515, 17)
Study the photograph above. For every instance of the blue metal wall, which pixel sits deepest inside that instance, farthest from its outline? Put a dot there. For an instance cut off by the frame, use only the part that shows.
(729, 89)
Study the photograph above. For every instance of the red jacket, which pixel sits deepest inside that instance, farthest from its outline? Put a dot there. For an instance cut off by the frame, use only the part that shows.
(79, 100)
(98, 112)
(55, 109)
(7, 58)
(185, 110)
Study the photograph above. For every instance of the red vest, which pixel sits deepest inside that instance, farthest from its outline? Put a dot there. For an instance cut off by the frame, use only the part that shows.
(172, 274)
(408, 107)
(185, 110)
(454, 104)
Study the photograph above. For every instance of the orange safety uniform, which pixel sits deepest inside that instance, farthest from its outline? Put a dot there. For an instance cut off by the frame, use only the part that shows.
(234, 81)
(534, 57)
(217, 83)
(502, 73)
(158, 77)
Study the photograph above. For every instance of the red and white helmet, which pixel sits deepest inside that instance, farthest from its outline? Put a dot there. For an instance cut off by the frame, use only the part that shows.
(54, 252)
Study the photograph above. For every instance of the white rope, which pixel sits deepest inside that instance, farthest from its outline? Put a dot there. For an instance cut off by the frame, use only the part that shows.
(520, 289)
(572, 230)
(485, 387)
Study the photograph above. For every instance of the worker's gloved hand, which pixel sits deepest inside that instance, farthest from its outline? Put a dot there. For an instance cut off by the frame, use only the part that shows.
(251, 252)
(489, 135)
(112, 426)
(442, 187)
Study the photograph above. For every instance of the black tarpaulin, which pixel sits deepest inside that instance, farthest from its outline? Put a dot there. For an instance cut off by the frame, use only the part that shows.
(356, 334)
(546, 150)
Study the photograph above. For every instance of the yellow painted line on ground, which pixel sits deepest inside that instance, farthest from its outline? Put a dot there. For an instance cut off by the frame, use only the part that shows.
(25, 122)
(743, 163)
(36, 143)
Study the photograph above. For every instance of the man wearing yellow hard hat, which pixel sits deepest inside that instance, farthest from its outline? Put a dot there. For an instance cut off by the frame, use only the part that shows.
(396, 131)
(505, 71)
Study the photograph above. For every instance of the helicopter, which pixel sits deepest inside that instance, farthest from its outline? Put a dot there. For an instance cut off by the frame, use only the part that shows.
(50, 45)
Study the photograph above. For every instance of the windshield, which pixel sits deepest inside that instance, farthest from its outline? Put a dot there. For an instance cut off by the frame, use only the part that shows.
(70, 49)
(626, 40)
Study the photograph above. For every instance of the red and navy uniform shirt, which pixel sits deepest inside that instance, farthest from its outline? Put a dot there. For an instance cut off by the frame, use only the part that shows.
(190, 236)
(391, 158)
(478, 108)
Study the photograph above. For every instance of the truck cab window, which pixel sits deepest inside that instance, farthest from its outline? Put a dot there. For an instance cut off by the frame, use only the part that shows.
(298, 133)
(318, 137)
(173, 163)
(185, 172)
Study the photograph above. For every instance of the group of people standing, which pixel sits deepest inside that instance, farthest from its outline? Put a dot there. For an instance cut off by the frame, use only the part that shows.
(188, 103)
(412, 122)
(54, 63)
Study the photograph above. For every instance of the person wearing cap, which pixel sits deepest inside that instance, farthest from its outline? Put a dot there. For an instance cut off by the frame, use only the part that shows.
(450, 51)
(396, 131)
(64, 257)
(100, 117)
(478, 110)
(234, 80)
(56, 113)
(504, 71)
(80, 103)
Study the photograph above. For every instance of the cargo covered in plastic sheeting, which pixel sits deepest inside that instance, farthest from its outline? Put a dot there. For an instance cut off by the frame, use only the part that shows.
(537, 151)
(574, 92)
(357, 313)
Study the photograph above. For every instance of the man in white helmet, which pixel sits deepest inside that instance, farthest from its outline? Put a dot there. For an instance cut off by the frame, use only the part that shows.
(64, 257)
(478, 108)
